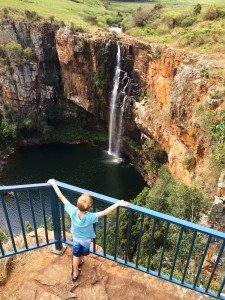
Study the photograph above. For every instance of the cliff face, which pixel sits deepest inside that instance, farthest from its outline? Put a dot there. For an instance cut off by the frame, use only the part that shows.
(29, 65)
(87, 66)
(165, 91)
(167, 88)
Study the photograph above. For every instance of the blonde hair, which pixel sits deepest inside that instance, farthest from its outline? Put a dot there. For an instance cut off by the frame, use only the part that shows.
(84, 202)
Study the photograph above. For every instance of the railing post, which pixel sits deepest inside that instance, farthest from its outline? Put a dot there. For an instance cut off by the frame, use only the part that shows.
(58, 247)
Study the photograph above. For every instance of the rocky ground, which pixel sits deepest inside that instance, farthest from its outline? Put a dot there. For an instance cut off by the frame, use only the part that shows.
(41, 275)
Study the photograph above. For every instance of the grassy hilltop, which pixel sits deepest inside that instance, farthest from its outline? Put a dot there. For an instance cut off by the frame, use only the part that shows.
(179, 23)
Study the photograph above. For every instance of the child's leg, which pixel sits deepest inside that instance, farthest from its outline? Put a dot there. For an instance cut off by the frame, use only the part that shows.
(76, 261)
(77, 253)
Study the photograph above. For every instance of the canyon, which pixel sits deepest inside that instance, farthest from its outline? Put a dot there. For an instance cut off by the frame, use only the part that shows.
(167, 96)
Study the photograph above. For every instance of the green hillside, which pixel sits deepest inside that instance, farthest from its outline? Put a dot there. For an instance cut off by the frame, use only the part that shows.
(171, 22)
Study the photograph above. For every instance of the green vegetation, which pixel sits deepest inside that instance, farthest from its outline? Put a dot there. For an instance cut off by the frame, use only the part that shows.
(213, 123)
(170, 197)
(183, 24)
(49, 127)
(189, 162)
(173, 198)
(76, 133)
(4, 235)
(218, 133)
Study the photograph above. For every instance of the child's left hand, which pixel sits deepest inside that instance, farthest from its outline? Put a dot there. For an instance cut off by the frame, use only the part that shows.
(51, 181)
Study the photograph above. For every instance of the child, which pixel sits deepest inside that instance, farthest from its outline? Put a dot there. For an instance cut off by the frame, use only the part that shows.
(82, 224)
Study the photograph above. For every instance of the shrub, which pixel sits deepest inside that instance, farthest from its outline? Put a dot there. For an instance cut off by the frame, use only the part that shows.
(218, 129)
(52, 19)
(163, 29)
(4, 235)
(44, 128)
(62, 24)
(189, 162)
(172, 20)
(91, 19)
(76, 28)
(28, 227)
(32, 15)
(28, 53)
(141, 16)
(212, 13)
(15, 50)
(9, 130)
(53, 114)
(5, 13)
(169, 21)
(2, 51)
(218, 93)
(188, 21)
(197, 9)
(8, 125)
(158, 6)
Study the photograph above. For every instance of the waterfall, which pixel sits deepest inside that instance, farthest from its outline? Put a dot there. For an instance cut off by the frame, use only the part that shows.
(120, 127)
(113, 104)
(117, 108)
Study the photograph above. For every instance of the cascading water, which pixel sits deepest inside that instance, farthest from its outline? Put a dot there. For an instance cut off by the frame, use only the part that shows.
(120, 118)
(113, 105)
(117, 109)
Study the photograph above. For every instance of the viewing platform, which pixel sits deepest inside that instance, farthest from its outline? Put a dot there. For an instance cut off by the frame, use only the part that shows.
(181, 256)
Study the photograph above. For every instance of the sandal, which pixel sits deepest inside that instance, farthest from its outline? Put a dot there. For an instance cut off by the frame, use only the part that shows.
(75, 277)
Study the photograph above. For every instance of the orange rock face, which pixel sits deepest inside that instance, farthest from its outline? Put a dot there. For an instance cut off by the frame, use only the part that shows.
(174, 84)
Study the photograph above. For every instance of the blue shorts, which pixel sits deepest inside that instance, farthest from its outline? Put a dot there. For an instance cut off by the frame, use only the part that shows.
(81, 247)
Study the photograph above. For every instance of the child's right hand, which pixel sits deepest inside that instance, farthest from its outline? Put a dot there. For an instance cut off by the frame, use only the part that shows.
(123, 203)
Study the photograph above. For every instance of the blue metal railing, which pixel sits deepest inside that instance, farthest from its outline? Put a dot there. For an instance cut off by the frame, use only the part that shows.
(163, 246)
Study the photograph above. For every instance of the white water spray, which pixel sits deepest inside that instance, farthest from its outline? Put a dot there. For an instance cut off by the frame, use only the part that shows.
(113, 102)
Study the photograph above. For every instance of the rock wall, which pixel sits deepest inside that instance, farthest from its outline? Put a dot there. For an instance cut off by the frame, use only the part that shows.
(87, 66)
(29, 66)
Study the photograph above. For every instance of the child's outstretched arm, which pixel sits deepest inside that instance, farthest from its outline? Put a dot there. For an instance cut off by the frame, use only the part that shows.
(57, 190)
(110, 209)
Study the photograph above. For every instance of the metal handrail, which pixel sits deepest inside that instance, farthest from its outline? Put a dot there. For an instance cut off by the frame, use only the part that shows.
(57, 215)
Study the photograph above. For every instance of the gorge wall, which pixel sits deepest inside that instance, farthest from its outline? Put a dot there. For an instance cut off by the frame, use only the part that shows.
(167, 89)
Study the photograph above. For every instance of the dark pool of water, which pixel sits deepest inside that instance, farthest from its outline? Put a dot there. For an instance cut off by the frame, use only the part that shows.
(81, 165)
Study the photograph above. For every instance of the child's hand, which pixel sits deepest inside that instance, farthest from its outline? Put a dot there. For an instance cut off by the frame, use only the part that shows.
(123, 203)
(51, 181)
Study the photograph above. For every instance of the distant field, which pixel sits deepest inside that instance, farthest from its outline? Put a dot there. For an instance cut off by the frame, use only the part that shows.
(175, 4)
(76, 10)
(189, 31)
(65, 10)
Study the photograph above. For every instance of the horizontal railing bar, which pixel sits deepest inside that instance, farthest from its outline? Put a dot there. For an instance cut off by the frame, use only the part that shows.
(22, 250)
(155, 214)
(152, 213)
(11, 188)
(153, 273)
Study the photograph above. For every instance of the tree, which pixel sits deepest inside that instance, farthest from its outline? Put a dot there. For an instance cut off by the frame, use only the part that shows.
(170, 197)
